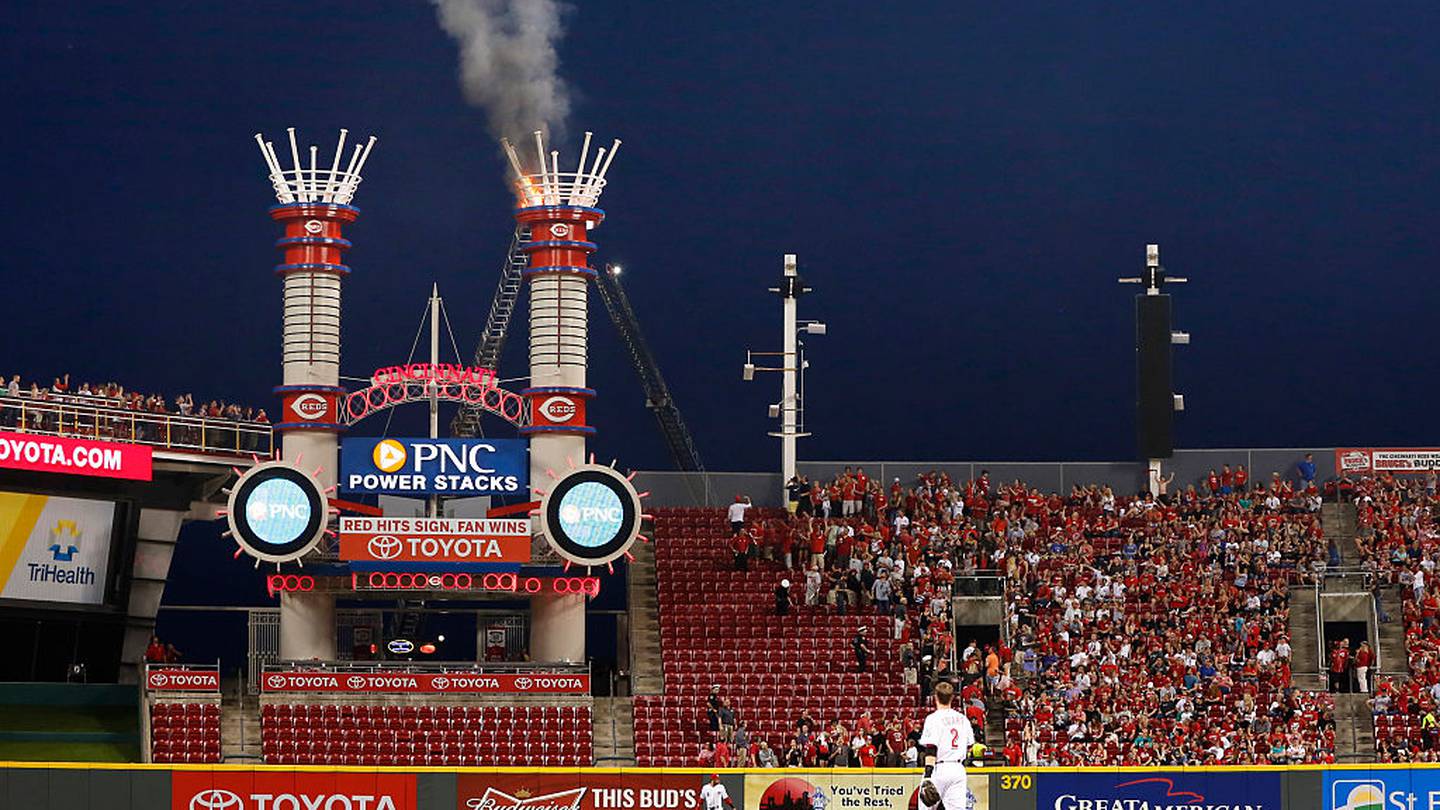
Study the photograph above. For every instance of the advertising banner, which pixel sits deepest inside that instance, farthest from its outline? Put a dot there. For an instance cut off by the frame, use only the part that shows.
(842, 790)
(425, 682)
(183, 680)
(1389, 459)
(580, 790)
(1182, 790)
(54, 549)
(290, 790)
(557, 410)
(404, 539)
(1381, 789)
(22, 451)
(435, 466)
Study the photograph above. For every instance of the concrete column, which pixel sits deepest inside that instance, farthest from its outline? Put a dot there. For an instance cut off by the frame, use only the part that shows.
(307, 626)
(557, 628)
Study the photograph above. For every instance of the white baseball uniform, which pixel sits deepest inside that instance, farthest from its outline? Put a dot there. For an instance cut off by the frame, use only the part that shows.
(949, 731)
(714, 796)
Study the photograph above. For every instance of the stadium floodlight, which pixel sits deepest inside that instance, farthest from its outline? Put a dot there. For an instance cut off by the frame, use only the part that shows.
(814, 328)
(1180, 338)
(747, 372)
(616, 269)
(774, 410)
(1179, 402)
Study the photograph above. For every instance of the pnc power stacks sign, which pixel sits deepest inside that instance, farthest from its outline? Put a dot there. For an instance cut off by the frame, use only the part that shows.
(435, 466)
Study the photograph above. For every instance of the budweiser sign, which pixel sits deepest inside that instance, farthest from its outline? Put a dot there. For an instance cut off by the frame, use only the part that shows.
(183, 680)
(582, 790)
(426, 682)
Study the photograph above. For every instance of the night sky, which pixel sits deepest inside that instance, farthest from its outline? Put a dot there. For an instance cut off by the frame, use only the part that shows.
(963, 183)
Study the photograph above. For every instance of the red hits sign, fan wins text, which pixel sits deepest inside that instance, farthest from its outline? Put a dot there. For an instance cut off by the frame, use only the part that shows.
(395, 539)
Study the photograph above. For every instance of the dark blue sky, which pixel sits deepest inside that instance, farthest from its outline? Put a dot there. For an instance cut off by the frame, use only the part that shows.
(962, 181)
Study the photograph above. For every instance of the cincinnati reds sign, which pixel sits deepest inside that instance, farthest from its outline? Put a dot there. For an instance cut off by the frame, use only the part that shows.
(183, 680)
(427, 682)
(415, 382)
(557, 409)
(309, 406)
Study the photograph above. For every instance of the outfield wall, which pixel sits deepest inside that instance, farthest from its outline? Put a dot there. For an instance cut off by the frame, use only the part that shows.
(85, 786)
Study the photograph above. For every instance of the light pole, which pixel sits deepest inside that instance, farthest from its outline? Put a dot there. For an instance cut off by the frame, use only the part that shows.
(791, 407)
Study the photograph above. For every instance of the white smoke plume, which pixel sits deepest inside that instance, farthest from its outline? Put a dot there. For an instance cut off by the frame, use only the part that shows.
(508, 62)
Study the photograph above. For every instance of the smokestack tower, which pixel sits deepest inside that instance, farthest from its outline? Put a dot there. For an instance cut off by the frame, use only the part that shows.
(559, 209)
(313, 207)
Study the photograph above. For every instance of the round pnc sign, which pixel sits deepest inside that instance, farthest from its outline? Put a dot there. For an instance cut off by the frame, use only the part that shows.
(591, 516)
(277, 512)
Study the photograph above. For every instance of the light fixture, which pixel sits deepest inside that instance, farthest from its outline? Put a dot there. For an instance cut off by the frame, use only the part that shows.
(747, 372)
(815, 328)
(774, 411)
(615, 268)
(440, 637)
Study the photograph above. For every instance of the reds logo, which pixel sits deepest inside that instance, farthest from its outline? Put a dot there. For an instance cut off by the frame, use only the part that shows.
(558, 409)
(560, 230)
(310, 406)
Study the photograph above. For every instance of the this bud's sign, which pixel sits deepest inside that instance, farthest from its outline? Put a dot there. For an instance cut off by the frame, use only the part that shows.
(397, 539)
(290, 790)
(639, 790)
(533, 683)
(1392, 459)
(435, 466)
(556, 409)
(183, 680)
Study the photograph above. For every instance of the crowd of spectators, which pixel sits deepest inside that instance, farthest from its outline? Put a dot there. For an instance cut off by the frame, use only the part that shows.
(86, 410)
(1140, 630)
(1399, 547)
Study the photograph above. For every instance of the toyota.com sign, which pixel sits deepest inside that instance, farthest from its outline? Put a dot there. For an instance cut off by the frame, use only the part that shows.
(260, 790)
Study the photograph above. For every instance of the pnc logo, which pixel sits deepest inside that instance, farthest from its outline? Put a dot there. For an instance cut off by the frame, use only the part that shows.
(570, 513)
(389, 456)
(310, 406)
(216, 799)
(558, 409)
(384, 547)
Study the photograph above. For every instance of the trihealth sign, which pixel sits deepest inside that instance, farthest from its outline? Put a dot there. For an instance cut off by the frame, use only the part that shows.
(54, 549)
(434, 466)
(403, 539)
(427, 682)
(22, 451)
(1233, 789)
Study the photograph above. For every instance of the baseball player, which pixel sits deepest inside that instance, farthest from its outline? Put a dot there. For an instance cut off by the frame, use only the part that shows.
(714, 794)
(946, 739)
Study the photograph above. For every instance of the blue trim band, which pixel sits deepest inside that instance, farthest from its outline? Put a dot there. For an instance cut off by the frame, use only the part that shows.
(338, 269)
(528, 429)
(343, 244)
(299, 205)
(325, 389)
(559, 243)
(580, 392)
(324, 427)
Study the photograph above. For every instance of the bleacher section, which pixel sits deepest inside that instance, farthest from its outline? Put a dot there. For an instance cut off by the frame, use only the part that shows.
(362, 734)
(718, 628)
(185, 732)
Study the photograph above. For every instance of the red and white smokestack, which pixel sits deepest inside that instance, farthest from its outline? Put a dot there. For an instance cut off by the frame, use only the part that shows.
(313, 206)
(559, 208)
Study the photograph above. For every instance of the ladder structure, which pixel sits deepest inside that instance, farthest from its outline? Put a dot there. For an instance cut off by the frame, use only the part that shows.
(657, 393)
(466, 423)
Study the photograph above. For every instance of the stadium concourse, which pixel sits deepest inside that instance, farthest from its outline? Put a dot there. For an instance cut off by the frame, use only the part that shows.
(1136, 631)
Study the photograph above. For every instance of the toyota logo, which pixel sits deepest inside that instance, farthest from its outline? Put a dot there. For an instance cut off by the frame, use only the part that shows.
(216, 799)
(158, 679)
(523, 683)
(355, 682)
(384, 547)
(276, 681)
(440, 682)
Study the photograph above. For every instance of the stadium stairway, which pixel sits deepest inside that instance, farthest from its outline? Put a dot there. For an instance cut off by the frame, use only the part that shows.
(646, 675)
(1354, 729)
(614, 730)
(1304, 640)
(239, 724)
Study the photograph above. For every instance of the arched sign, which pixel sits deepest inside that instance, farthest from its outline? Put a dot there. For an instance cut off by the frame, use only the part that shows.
(401, 385)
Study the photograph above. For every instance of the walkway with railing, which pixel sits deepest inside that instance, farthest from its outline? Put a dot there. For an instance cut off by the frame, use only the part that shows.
(98, 419)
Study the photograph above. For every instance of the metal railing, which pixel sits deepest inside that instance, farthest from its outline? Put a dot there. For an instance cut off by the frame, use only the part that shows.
(104, 419)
